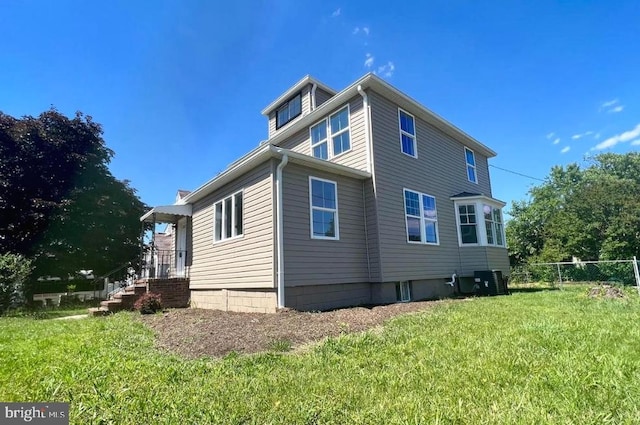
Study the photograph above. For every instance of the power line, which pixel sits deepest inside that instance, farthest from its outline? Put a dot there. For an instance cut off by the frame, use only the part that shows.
(516, 173)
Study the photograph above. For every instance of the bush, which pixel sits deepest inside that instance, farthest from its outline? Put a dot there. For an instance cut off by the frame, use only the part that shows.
(148, 303)
(14, 271)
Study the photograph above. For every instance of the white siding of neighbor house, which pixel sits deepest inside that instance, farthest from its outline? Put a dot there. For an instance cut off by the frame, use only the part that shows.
(314, 261)
(245, 262)
(357, 156)
(440, 171)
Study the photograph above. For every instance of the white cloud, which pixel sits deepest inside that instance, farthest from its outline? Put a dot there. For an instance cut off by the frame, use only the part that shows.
(611, 106)
(635, 142)
(618, 138)
(368, 62)
(550, 135)
(336, 13)
(556, 141)
(581, 135)
(355, 30)
(365, 30)
(565, 149)
(386, 70)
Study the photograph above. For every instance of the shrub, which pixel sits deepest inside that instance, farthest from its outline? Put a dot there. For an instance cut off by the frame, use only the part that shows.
(148, 303)
(14, 271)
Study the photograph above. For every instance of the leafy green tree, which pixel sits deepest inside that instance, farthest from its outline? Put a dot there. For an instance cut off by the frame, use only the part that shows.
(59, 203)
(591, 213)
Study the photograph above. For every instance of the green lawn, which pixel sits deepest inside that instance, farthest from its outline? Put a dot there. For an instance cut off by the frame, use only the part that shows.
(552, 357)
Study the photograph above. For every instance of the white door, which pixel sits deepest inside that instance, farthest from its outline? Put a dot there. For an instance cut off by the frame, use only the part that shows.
(181, 249)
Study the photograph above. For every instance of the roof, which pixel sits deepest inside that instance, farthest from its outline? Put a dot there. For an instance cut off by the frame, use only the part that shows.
(475, 196)
(183, 192)
(293, 90)
(388, 91)
(261, 154)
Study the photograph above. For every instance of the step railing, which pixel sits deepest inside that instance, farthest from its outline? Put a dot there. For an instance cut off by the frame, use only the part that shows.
(164, 264)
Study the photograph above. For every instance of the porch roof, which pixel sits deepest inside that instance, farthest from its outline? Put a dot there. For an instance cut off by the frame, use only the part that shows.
(167, 213)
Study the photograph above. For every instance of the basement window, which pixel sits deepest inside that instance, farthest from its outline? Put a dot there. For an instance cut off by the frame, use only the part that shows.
(403, 291)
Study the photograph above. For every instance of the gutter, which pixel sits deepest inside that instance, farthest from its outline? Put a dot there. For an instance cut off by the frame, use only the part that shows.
(367, 126)
(279, 229)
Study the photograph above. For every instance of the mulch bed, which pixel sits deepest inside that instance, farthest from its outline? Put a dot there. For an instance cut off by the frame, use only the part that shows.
(194, 333)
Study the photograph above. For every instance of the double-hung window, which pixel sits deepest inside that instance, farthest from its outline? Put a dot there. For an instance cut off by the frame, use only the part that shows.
(468, 224)
(493, 225)
(228, 218)
(470, 158)
(407, 125)
(289, 110)
(323, 200)
(479, 220)
(330, 137)
(422, 217)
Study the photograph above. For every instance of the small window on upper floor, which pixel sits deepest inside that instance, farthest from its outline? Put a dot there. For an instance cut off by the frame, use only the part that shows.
(330, 137)
(289, 110)
(407, 125)
(471, 165)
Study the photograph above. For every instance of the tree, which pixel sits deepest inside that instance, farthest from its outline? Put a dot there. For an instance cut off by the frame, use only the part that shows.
(14, 270)
(591, 213)
(59, 203)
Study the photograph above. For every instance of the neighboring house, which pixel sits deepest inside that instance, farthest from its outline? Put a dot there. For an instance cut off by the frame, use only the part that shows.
(361, 196)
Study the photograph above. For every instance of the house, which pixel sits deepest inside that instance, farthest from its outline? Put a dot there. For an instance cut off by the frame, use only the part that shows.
(358, 196)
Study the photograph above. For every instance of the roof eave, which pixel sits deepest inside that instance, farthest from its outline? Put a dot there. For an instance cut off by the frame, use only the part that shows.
(307, 79)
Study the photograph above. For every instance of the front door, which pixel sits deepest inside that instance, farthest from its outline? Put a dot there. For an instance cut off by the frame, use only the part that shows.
(181, 248)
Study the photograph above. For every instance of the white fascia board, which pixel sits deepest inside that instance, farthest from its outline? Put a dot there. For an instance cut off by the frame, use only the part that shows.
(307, 79)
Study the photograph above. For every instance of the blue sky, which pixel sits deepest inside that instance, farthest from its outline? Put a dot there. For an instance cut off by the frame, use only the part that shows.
(179, 85)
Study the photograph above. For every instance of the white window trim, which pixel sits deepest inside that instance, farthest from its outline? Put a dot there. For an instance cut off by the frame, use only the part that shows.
(493, 222)
(423, 233)
(481, 227)
(413, 136)
(233, 218)
(311, 208)
(329, 139)
(467, 165)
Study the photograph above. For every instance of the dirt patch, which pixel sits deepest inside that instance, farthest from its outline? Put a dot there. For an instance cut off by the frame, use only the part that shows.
(194, 333)
(606, 291)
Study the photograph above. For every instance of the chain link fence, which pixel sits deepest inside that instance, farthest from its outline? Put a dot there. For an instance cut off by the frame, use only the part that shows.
(612, 272)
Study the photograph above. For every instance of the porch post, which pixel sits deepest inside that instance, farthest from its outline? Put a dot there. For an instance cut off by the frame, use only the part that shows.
(152, 270)
(141, 249)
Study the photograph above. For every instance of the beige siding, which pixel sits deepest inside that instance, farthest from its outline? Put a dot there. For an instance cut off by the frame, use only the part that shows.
(357, 156)
(305, 108)
(245, 262)
(313, 261)
(440, 171)
(321, 96)
(372, 241)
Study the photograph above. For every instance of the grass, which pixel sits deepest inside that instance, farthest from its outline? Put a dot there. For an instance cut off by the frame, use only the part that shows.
(49, 312)
(538, 357)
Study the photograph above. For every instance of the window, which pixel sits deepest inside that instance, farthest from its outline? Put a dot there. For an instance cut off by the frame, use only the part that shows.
(289, 110)
(471, 165)
(330, 137)
(324, 208)
(403, 291)
(407, 133)
(468, 225)
(480, 221)
(227, 218)
(493, 225)
(422, 217)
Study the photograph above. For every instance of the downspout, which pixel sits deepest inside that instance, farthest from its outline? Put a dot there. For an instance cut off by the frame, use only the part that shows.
(279, 229)
(367, 126)
(313, 96)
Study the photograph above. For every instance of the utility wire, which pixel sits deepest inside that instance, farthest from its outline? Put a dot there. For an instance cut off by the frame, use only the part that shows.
(516, 173)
